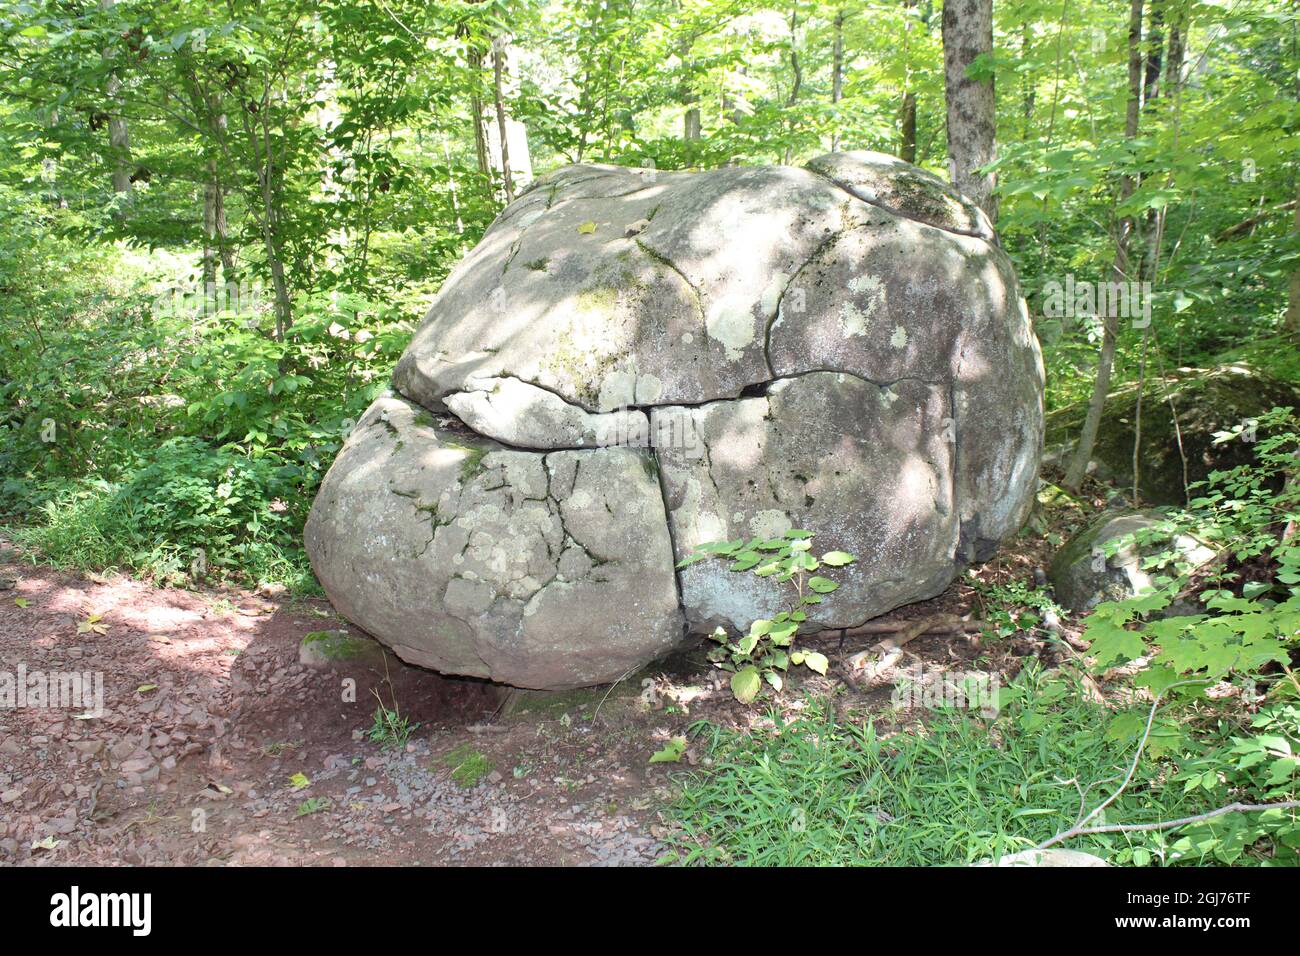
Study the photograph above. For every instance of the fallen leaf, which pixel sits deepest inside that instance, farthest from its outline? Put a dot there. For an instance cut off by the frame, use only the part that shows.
(92, 625)
(587, 228)
(671, 753)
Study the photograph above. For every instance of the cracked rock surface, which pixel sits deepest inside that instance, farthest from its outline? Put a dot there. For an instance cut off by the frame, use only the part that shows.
(634, 362)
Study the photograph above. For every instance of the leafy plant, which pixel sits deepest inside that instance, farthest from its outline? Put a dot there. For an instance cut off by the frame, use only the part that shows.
(390, 729)
(313, 805)
(1011, 608)
(671, 752)
(1246, 635)
(766, 652)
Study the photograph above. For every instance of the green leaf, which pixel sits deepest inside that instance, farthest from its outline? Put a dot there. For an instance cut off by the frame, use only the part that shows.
(299, 781)
(822, 585)
(745, 684)
(671, 753)
(783, 635)
(837, 559)
(816, 662)
(1112, 644)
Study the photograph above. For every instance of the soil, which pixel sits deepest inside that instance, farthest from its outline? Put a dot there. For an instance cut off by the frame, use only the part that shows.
(217, 746)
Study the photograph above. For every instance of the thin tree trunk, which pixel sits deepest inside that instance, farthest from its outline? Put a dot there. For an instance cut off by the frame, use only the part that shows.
(1120, 266)
(209, 237)
(797, 69)
(837, 74)
(1291, 321)
(119, 137)
(907, 122)
(972, 121)
(498, 70)
(222, 231)
(1155, 49)
(476, 113)
(907, 111)
(691, 127)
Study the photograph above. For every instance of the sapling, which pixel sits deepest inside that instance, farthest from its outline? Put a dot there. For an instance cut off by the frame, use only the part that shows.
(766, 652)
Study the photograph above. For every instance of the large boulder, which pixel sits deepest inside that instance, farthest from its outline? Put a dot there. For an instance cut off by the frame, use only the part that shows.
(1180, 416)
(634, 362)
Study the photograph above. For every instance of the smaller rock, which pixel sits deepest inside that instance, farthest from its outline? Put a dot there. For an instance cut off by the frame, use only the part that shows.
(1084, 573)
(1050, 857)
(323, 648)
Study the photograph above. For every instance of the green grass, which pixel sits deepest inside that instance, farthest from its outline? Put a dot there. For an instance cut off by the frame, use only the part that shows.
(816, 791)
(390, 729)
(96, 526)
(468, 766)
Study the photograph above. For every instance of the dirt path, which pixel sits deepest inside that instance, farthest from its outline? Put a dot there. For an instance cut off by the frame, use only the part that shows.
(208, 715)
(216, 745)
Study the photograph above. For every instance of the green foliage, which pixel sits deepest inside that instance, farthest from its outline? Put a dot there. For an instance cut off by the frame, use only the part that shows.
(389, 728)
(312, 805)
(817, 791)
(187, 513)
(765, 653)
(1246, 634)
(1011, 608)
(1251, 598)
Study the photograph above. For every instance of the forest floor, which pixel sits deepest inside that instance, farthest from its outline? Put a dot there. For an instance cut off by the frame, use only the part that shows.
(209, 717)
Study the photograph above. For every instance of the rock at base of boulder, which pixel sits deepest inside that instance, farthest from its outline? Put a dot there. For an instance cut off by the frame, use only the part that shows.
(326, 648)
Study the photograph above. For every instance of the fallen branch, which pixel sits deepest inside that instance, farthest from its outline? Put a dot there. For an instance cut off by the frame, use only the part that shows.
(888, 627)
(1170, 824)
(1081, 827)
(874, 665)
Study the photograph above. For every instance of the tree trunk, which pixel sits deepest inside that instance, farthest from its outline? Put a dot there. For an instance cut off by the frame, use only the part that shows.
(907, 111)
(1155, 45)
(691, 128)
(972, 122)
(907, 124)
(1292, 319)
(119, 138)
(209, 237)
(837, 74)
(797, 69)
(498, 71)
(1120, 266)
(476, 113)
